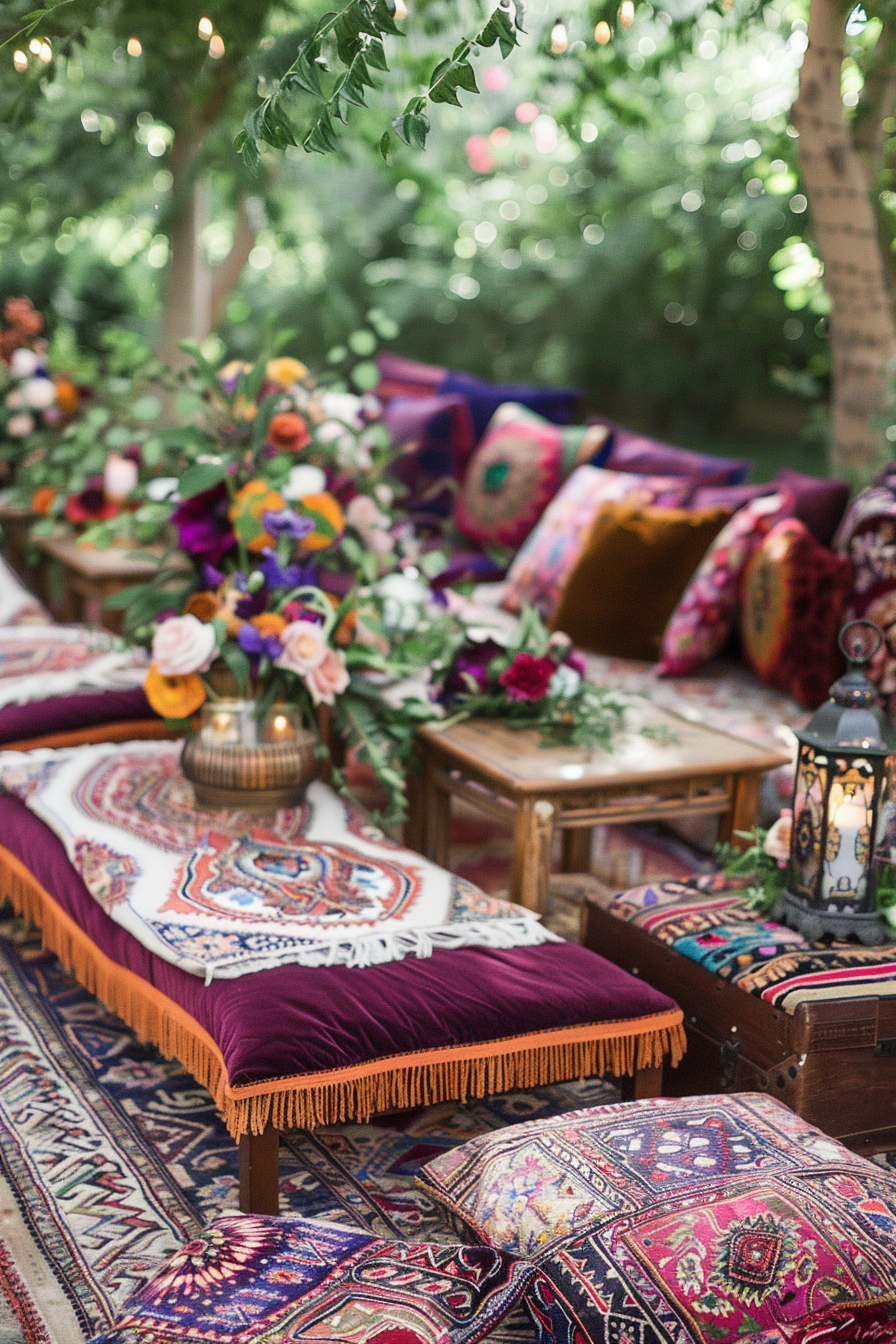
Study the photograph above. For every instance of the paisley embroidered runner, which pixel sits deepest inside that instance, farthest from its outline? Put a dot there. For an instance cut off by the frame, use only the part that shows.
(227, 893)
(38, 662)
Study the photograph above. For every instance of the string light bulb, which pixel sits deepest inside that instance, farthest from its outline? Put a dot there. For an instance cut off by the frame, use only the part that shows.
(20, 61)
(559, 38)
(401, 10)
(627, 13)
(34, 46)
(46, 52)
(206, 28)
(134, 47)
(216, 47)
(602, 33)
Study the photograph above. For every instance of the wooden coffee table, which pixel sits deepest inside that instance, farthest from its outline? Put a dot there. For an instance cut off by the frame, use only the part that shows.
(90, 575)
(681, 769)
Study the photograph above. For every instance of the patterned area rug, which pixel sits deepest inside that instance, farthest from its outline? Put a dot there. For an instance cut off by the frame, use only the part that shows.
(111, 1157)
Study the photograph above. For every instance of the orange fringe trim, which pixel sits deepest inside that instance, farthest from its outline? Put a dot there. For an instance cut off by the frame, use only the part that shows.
(397, 1082)
(127, 730)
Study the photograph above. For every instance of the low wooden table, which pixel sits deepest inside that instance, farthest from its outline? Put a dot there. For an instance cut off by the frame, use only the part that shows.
(90, 575)
(16, 524)
(682, 769)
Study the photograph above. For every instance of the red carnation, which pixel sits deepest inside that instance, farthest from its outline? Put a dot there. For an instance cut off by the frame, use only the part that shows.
(528, 677)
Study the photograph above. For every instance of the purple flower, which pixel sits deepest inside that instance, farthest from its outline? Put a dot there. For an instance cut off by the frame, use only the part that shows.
(254, 643)
(289, 576)
(285, 523)
(212, 578)
(203, 525)
(575, 660)
(253, 604)
(469, 671)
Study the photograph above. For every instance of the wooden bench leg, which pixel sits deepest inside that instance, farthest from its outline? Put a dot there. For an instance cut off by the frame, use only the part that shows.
(576, 849)
(533, 827)
(643, 1084)
(260, 1172)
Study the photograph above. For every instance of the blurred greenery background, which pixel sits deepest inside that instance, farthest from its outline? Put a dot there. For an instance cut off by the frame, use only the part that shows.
(626, 219)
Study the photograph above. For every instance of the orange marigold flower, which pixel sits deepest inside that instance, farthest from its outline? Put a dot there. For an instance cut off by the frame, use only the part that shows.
(42, 499)
(257, 498)
(174, 697)
(204, 606)
(289, 432)
(329, 509)
(269, 623)
(345, 630)
(68, 398)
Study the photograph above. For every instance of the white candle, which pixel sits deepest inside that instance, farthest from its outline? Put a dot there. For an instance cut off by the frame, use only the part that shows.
(845, 873)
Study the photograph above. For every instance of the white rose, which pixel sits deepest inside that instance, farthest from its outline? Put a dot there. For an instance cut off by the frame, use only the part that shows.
(410, 688)
(161, 487)
(183, 645)
(304, 647)
(14, 400)
(304, 480)
(403, 600)
(39, 393)
(565, 681)
(24, 363)
(344, 406)
(20, 426)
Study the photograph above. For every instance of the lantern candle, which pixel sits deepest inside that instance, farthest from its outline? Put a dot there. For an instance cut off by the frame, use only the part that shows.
(847, 825)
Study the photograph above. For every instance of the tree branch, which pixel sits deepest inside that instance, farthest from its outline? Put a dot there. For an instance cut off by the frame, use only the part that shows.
(226, 275)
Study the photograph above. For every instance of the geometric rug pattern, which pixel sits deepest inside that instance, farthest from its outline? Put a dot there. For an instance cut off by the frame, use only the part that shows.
(111, 1156)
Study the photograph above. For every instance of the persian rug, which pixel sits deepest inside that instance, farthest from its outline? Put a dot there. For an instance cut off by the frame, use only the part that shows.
(112, 1157)
(222, 894)
(40, 662)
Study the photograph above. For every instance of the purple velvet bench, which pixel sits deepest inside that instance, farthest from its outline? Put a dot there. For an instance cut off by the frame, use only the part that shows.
(296, 1046)
(73, 720)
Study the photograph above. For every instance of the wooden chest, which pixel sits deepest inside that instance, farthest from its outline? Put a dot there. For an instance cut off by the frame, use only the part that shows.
(833, 1062)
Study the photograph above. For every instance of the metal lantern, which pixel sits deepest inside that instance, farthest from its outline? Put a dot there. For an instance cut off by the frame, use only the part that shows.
(843, 841)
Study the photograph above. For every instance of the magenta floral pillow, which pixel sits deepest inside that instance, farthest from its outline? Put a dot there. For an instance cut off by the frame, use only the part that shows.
(545, 560)
(701, 624)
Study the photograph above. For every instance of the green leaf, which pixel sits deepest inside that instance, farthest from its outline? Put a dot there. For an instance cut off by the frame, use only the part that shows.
(247, 527)
(146, 408)
(246, 144)
(385, 146)
(239, 665)
(199, 477)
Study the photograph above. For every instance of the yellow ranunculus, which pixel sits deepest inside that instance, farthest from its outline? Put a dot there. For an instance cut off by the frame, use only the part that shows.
(329, 508)
(284, 371)
(174, 697)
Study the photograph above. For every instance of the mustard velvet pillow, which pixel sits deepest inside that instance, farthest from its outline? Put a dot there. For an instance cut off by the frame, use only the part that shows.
(630, 574)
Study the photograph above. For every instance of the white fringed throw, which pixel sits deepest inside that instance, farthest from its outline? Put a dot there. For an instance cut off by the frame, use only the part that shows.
(38, 662)
(226, 893)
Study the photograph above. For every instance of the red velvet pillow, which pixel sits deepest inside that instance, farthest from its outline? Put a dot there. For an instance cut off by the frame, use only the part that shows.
(792, 607)
(818, 503)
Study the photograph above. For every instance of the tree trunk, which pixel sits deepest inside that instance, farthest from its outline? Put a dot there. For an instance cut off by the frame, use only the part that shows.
(838, 186)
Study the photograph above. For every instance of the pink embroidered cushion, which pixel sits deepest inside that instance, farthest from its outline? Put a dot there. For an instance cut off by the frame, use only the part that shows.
(548, 555)
(702, 623)
(516, 470)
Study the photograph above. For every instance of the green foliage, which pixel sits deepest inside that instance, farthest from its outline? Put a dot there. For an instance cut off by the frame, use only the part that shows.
(768, 880)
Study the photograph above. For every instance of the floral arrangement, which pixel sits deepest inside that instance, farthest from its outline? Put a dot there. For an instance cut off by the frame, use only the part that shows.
(35, 404)
(762, 864)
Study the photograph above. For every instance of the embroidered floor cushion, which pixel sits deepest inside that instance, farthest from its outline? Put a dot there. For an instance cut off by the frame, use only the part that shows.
(247, 1277)
(639, 453)
(516, 470)
(707, 1220)
(544, 561)
(704, 619)
(631, 572)
(794, 599)
(432, 438)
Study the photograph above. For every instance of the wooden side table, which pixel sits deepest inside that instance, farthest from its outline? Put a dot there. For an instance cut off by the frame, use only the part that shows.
(16, 524)
(682, 769)
(89, 576)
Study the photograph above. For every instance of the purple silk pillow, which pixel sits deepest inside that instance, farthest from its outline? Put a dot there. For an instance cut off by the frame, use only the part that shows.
(649, 457)
(733, 497)
(818, 503)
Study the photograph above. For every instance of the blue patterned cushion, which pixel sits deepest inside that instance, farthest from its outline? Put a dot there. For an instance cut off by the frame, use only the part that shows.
(277, 1279)
(709, 1220)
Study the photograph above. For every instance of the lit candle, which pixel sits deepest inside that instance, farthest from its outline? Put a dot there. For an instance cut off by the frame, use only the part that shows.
(223, 726)
(119, 477)
(280, 728)
(845, 872)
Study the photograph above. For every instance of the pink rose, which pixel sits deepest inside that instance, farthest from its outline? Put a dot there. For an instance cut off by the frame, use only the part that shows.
(777, 842)
(182, 645)
(362, 513)
(304, 647)
(328, 679)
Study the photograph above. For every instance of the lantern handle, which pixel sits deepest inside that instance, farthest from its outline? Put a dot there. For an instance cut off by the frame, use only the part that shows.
(859, 641)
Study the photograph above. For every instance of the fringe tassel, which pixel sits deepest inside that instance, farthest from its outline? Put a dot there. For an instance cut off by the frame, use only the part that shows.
(454, 1073)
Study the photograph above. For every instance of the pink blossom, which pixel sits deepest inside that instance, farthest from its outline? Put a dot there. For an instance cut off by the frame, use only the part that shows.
(304, 647)
(777, 842)
(328, 679)
(182, 645)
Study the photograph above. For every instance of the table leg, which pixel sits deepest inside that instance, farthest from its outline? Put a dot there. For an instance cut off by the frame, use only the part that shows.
(260, 1172)
(533, 827)
(645, 1083)
(436, 820)
(414, 830)
(576, 849)
(744, 809)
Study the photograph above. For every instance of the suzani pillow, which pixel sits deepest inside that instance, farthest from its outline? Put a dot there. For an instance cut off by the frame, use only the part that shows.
(248, 1277)
(711, 1220)
(544, 562)
(794, 599)
(702, 623)
(867, 536)
(516, 470)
